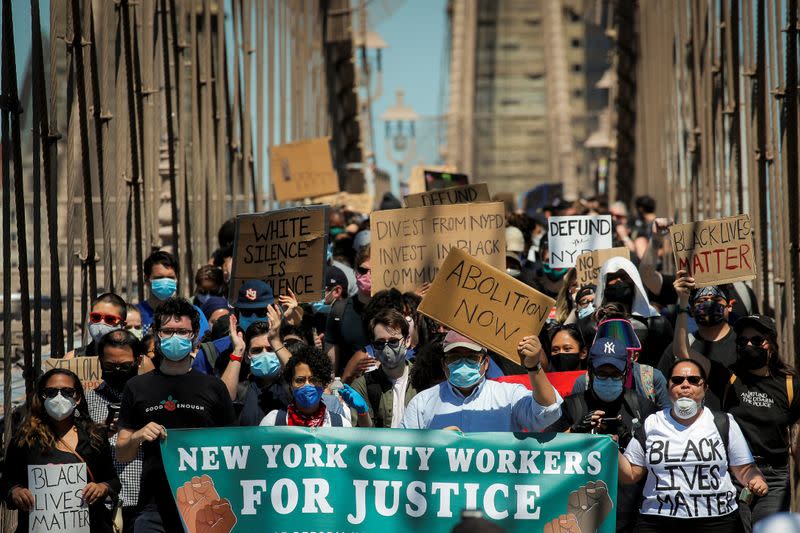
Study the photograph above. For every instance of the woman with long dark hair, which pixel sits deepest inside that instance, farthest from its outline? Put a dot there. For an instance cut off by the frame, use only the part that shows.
(58, 430)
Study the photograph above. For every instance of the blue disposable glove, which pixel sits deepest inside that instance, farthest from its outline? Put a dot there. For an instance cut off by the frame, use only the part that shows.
(354, 399)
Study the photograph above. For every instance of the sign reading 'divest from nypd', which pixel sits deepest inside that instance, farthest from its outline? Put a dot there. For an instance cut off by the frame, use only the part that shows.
(368, 479)
(569, 237)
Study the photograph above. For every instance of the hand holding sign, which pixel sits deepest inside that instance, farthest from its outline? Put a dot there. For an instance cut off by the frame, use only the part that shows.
(22, 498)
(95, 492)
(530, 351)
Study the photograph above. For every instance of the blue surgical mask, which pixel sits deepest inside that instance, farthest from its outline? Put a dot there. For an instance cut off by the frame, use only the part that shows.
(163, 288)
(176, 348)
(464, 373)
(607, 389)
(265, 365)
(321, 307)
(586, 311)
(246, 321)
(308, 396)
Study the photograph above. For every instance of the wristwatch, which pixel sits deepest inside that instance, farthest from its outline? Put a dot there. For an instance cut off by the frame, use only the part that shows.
(682, 310)
(536, 368)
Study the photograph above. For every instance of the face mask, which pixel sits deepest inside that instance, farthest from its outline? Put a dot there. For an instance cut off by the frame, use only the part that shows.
(137, 332)
(464, 373)
(246, 321)
(176, 348)
(554, 274)
(321, 307)
(117, 379)
(265, 365)
(391, 358)
(307, 396)
(364, 283)
(96, 331)
(607, 389)
(619, 292)
(752, 357)
(203, 298)
(565, 362)
(163, 288)
(59, 407)
(685, 408)
(514, 272)
(709, 313)
(336, 231)
(586, 311)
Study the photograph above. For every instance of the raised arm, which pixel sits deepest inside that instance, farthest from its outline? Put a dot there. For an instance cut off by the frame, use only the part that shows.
(230, 377)
(531, 355)
(651, 277)
(680, 340)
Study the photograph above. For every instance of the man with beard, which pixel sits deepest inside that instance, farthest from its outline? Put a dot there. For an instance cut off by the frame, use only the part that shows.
(120, 353)
(387, 389)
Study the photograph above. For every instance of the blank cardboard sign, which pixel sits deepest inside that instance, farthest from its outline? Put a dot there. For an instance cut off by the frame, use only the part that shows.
(302, 169)
(485, 304)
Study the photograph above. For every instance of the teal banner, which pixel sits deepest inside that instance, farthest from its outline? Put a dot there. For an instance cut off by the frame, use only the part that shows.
(360, 479)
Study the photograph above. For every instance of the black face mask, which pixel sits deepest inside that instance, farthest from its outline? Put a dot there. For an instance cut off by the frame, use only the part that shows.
(117, 379)
(709, 313)
(752, 357)
(619, 292)
(565, 362)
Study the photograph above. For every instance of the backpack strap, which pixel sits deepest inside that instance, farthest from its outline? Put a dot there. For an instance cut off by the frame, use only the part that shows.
(280, 420)
(337, 310)
(723, 424)
(336, 420)
(728, 386)
(211, 353)
(376, 387)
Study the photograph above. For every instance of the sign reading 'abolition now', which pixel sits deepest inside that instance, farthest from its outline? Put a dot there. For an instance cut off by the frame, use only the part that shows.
(409, 245)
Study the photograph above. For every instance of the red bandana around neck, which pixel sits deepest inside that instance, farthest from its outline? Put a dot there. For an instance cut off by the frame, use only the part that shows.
(296, 418)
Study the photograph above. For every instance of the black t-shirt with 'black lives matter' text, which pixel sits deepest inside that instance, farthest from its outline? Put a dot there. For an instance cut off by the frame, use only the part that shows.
(191, 400)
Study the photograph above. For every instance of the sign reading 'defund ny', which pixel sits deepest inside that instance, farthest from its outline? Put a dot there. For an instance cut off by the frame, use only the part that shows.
(569, 237)
(299, 479)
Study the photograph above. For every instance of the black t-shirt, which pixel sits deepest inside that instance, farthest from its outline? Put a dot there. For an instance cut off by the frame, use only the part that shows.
(761, 407)
(347, 333)
(192, 400)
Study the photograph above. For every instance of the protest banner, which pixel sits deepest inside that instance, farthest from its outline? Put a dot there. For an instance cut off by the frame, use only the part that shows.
(485, 304)
(571, 236)
(285, 248)
(441, 180)
(409, 245)
(588, 264)
(464, 194)
(715, 251)
(324, 479)
(58, 498)
(86, 368)
(302, 169)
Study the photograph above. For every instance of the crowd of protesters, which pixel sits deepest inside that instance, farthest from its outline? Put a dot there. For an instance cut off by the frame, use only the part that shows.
(640, 355)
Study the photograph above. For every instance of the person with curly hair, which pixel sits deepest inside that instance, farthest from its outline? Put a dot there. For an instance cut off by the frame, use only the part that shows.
(308, 372)
(58, 430)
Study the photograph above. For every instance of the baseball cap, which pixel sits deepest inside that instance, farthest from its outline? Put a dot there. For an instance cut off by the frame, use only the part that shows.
(609, 351)
(334, 276)
(515, 242)
(762, 323)
(454, 340)
(254, 294)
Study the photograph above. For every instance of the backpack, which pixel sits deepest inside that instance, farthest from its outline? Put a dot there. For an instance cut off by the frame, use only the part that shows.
(280, 420)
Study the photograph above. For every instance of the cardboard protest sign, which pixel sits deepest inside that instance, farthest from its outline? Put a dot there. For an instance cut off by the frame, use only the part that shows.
(285, 248)
(409, 245)
(441, 180)
(571, 236)
(86, 368)
(58, 498)
(255, 479)
(464, 194)
(485, 304)
(359, 202)
(416, 178)
(588, 263)
(302, 169)
(715, 251)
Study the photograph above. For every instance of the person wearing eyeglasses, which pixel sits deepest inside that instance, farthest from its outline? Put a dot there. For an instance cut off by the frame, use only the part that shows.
(607, 407)
(759, 390)
(308, 372)
(120, 353)
(469, 402)
(58, 430)
(172, 396)
(689, 455)
(108, 312)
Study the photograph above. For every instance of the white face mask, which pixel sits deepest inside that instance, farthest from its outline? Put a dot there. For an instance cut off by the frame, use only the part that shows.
(59, 407)
(137, 332)
(685, 408)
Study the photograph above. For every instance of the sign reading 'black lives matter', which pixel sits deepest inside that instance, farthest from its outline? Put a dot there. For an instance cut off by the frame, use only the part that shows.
(285, 248)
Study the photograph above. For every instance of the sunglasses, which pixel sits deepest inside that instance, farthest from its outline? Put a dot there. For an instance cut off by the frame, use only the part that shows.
(118, 367)
(66, 392)
(111, 320)
(758, 340)
(363, 270)
(392, 343)
(253, 312)
(693, 380)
